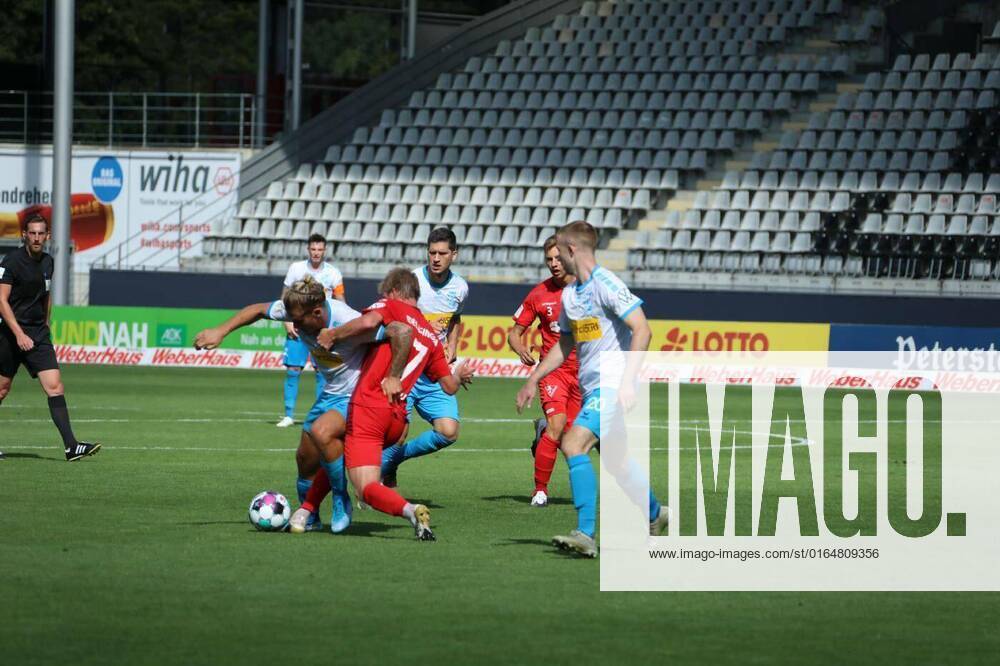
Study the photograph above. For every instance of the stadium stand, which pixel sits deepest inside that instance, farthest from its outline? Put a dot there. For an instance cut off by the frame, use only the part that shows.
(702, 138)
(898, 180)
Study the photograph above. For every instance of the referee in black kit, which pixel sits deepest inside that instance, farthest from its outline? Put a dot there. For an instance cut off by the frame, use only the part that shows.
(25, 339)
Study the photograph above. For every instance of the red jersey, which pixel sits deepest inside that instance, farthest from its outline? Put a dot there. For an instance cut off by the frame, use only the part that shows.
(426, 356)
(544, 302)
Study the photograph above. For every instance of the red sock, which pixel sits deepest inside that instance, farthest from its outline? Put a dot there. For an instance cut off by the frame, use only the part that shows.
(317, 491)
(545, 461)
(384, 499)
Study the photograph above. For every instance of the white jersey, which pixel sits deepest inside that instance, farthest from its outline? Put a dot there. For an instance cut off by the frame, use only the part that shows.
(341, 365)
(593, 311)
(441, 303)
(327, 275)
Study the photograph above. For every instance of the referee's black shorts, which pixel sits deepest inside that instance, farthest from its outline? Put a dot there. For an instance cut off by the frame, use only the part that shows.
(41, 357)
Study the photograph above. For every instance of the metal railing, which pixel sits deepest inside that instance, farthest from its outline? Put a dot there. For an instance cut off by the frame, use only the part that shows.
(134, 119)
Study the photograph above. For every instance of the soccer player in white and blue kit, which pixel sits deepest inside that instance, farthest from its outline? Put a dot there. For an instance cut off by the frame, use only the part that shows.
(599, 314)
(305, 303)
(443, 294)
(296, 351)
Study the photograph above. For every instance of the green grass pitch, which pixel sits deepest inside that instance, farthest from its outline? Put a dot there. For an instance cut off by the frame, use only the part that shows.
(144, 554)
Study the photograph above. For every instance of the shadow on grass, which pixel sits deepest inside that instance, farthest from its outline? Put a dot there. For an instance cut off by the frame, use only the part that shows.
(526, 499)
(30, 456)
(544, 544)
(371, 530)
(428, 503)
(355, 530)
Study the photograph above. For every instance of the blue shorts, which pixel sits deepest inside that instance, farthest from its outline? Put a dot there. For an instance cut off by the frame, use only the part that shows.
(325, 403)
(296, 353)
(597, 414)
(431, 401)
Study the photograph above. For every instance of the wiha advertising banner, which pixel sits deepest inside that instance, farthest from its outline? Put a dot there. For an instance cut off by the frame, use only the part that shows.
(125, 202)
(164, 336)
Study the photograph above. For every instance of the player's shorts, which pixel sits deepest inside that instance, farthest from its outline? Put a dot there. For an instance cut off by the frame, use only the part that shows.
(369, 430)
(431, 401)
(599, 413)
(325, 403)
(40, 358)
(560, 394)
(296, 353)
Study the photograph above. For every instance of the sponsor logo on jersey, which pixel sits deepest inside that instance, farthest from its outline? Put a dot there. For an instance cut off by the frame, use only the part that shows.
(327, 359)
(625, 297)
(586, 330)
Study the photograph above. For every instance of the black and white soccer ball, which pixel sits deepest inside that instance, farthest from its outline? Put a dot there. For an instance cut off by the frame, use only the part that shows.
(270, 511)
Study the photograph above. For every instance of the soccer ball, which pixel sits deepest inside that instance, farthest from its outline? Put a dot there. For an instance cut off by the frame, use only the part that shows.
(270, 511)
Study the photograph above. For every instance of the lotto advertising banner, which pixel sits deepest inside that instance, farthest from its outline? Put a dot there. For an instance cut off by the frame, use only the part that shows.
(125, 199)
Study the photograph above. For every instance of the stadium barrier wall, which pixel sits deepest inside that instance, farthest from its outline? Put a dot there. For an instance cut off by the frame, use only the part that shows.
(99, 335)
(203, 290)
(165, 337)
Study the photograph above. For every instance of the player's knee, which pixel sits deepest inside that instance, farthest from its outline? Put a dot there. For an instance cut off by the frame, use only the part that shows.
(447, 428)
(53, 390)
(4, 390)
(555, 428)
(573, 445)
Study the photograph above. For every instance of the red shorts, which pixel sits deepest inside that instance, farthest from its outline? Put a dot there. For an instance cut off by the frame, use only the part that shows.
(560, 394)
(369, 430)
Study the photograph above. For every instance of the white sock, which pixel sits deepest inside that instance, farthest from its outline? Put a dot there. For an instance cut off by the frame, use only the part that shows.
(409, 514)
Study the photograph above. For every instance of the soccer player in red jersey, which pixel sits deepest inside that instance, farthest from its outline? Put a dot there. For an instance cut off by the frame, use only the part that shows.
(377, 412)
(560, 390)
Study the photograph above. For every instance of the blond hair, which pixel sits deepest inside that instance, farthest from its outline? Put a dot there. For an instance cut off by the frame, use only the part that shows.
(304, 295)
(581, 234)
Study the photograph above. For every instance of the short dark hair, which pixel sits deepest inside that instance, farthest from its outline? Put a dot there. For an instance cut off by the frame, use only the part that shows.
(441, 235)
(35, 218)
(402, 281)
(317, 238)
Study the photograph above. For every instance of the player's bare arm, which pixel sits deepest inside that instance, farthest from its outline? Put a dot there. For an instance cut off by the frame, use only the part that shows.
(211, 338)
(364, 325)
(451, 348)
(7, 314)
(550, 363)
(400, 338)
(460, 377)
(289, 326)
(515, 340)
(641, 336)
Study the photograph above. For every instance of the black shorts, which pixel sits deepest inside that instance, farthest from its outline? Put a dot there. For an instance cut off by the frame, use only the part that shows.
(41, 357)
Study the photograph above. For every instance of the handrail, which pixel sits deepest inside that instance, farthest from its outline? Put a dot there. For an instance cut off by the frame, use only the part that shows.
(135, 119)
